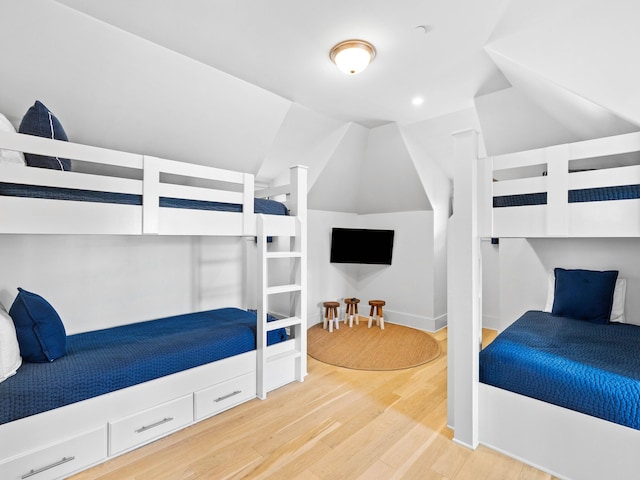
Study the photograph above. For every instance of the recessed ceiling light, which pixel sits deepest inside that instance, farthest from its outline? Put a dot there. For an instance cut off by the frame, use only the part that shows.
(417, 101)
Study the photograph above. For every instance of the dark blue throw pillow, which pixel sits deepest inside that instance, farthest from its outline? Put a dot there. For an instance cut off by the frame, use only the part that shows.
(41, 334)
(584, 294)
(40, 122)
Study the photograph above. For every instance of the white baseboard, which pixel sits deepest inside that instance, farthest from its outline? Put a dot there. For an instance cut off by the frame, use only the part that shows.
(314, 319)
(415, 321)
(491, 322)
(406, 319)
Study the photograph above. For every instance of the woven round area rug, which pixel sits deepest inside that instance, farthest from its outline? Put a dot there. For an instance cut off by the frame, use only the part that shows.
(361, 348)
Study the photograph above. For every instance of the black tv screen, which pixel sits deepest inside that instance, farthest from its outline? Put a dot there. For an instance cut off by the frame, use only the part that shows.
(359, 245)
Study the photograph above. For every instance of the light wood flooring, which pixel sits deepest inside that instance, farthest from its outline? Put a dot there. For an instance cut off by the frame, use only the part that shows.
(337, 424)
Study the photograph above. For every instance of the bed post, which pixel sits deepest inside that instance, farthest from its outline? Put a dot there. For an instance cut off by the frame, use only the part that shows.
(464, 326)
(298, 197)
(150, 195)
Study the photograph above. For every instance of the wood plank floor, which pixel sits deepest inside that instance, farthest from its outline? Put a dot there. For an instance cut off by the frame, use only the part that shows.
(337, 424)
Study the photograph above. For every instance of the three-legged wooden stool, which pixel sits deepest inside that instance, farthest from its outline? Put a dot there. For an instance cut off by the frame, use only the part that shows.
(352, 311)
(376, 307)
(331, 315)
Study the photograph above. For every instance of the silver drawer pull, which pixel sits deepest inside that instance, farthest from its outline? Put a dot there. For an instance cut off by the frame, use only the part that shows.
(44, 469)
(229, 395)
(153, 425)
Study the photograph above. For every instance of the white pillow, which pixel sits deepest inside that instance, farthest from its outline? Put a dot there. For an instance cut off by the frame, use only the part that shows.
(9, 156)
(10, 359)
(617, 308)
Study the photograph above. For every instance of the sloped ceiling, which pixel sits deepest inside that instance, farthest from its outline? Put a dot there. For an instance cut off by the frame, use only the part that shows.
(571, 67)
(113, 89)
(389, 180)
(338, 184)
(304, 138)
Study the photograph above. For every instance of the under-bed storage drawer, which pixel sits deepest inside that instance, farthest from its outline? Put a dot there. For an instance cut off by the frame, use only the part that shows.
(224, 395)
(150, 424)
(59, 460)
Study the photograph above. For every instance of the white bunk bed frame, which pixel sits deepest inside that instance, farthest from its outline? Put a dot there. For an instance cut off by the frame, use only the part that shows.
(565, 443)
(60, 442)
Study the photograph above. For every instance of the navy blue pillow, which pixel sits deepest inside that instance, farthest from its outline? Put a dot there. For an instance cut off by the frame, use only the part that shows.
(584, 294)
(41, 334)
(40, 122)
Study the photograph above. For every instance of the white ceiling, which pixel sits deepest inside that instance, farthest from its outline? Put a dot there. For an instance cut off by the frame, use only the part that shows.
(283, 46)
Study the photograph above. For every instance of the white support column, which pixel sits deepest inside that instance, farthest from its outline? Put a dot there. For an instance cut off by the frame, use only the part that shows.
(464, 333)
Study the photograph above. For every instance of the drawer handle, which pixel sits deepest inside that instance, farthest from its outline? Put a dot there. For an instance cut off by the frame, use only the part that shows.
(229, 395)
(153, 425)
(44, 469)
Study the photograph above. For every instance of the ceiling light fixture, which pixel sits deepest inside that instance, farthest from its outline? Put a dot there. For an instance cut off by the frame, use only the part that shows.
(352, 56)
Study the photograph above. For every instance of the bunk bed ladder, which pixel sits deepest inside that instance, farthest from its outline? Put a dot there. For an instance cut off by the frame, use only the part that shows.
(269, 365)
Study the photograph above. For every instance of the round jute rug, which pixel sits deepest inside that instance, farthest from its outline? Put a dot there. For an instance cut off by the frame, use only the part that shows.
(361, 348)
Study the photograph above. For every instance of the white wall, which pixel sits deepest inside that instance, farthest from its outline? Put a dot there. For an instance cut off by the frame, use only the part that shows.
(327, 281)
(407, 285)
(99, 281)
(490, 285)
(524, 265)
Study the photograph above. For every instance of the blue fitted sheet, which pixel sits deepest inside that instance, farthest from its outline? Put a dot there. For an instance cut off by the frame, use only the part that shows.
(102, 361)
(586, 367)
(600, 194)
(261, 205)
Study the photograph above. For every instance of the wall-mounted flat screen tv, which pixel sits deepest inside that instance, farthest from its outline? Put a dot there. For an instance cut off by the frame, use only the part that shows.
(359, 245)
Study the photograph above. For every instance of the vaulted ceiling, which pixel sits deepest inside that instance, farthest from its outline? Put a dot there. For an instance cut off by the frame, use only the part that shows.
(248, 85)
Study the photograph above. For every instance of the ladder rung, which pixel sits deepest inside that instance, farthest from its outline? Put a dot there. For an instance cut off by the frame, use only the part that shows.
(285, 322)
(283, 289)
(284, 254)
(283, 355)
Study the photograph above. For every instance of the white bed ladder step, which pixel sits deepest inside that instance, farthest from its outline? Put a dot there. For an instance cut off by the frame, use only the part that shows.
(284, 289)
(283, 323)
(296, 323)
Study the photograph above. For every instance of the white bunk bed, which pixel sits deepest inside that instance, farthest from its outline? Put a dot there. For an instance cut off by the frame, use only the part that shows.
(563, 442)
(57, 443)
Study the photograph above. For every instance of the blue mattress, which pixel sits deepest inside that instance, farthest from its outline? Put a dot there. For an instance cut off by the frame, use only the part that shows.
(601, 194)
(586, 367)
(261, 205)
(102, 361)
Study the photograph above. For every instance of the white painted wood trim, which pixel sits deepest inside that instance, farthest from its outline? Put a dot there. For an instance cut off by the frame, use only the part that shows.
(464, 303)
(74, 151)
(557, 187)
(519, 186)
(563, 442)
(609, 177)
(11, 173)
(556, 219)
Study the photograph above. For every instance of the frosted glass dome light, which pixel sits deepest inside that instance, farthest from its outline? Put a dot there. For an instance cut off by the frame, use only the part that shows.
(352, 56)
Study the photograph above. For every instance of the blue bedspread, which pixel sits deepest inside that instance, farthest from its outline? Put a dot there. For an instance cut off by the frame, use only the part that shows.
(590, 368)
(599, 194)
(260, 205)
(102, 361)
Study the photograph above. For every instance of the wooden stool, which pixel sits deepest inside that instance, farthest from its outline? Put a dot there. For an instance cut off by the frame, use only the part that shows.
(331, 315)
(376, 306)
(352, 311)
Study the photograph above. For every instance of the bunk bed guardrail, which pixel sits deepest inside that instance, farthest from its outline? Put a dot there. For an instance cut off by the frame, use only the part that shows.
(136, 175)
(582, 189)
